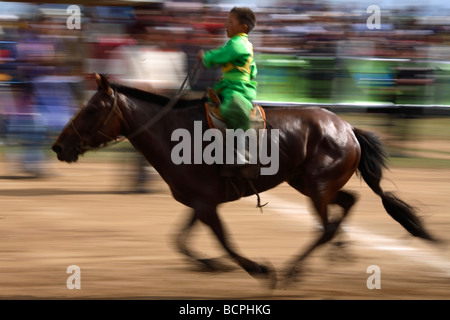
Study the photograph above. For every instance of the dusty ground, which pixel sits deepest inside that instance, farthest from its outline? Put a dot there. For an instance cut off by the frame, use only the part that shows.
(123, 242)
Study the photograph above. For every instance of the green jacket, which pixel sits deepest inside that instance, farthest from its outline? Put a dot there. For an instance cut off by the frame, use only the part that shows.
(235, 57)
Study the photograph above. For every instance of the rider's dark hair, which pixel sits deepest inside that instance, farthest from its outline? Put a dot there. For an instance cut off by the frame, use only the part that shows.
(245, 16)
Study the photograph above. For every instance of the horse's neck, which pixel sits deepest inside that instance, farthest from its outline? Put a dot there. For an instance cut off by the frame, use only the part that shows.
(155, 142)
(140, 114)
(137, 114)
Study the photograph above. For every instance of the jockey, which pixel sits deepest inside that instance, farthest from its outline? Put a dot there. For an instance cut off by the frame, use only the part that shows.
(236, 88)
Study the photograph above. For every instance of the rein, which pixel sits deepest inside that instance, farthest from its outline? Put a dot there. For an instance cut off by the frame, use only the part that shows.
(194, 73)
(191, 78)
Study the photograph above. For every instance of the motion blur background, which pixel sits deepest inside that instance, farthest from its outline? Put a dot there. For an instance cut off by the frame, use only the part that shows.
(395, 78)
(394, 81)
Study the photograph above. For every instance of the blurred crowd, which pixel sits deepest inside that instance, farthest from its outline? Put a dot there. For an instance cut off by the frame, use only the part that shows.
(305, 50)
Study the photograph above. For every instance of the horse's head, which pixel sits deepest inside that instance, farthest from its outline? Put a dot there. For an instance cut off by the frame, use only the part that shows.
(97, 123)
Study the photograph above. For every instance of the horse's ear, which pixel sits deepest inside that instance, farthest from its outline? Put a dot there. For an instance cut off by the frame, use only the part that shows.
(103, 83)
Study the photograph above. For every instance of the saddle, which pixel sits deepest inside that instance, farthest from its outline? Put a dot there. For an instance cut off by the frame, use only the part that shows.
(216, 121)
(257, 122)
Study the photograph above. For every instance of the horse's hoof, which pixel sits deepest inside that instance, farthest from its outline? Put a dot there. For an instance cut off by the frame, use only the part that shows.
(266, 273)
(292, 275)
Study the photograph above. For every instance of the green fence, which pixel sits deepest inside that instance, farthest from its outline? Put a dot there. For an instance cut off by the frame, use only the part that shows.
(288, 78)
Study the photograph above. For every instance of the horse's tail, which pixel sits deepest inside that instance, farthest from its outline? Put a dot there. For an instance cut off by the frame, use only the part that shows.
(371, 165)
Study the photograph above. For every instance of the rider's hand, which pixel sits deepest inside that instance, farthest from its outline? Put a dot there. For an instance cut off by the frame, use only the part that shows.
(200, 55)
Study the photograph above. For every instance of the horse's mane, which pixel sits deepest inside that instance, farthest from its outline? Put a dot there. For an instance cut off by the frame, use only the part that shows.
(161, 100)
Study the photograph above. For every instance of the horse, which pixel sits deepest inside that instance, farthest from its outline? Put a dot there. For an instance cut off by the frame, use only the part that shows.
(318, 153)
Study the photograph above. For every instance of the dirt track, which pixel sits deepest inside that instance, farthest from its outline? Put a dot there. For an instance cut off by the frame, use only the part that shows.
(123, 242)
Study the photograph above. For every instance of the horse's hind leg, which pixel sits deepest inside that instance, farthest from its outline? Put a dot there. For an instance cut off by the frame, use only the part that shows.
(321, 200)
(345, 200)
(329, 229)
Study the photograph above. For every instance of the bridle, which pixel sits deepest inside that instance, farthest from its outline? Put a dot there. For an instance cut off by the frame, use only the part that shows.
(191, 78)
(83, 145)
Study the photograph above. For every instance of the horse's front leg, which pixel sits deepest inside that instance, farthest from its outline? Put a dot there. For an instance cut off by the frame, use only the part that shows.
(208, 215)
(183, 234)
(211, 264)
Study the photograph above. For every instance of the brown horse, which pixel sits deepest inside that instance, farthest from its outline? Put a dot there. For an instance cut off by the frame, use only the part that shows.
(318, 153)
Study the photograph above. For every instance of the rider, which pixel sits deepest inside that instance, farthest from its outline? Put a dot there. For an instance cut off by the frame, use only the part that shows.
(236, 88)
